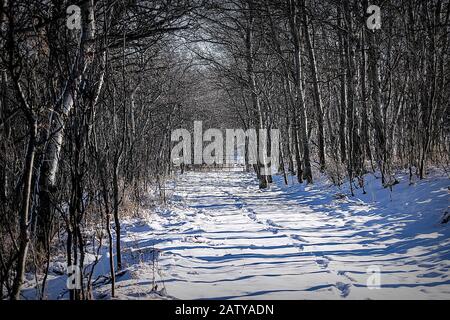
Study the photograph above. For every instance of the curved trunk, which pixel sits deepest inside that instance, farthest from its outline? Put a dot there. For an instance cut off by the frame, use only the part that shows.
(60, 114)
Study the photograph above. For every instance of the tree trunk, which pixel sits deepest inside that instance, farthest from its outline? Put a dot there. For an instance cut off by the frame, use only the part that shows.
(374, 77)
(299, 91)
(116, 215)
(24, 237)
(263, 181)
(61, 112)
(343, 90)
(318, 96)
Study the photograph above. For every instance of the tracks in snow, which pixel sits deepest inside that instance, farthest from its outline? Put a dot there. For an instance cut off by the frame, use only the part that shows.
(342, 287)
(225, 239)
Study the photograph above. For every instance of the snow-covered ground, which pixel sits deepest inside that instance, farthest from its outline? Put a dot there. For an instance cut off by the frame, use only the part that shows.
(226, 239)
(223, 238)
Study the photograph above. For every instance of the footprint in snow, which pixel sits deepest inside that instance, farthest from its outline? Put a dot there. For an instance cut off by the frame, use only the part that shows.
(344, 289)
(273, 230)
(193, 272)
(273, 224)
(344, 274)
(252, 216)
(298, 238)
(196, 239)
(323, 262)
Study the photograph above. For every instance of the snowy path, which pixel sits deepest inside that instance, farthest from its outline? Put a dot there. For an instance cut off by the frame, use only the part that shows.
(226, 239)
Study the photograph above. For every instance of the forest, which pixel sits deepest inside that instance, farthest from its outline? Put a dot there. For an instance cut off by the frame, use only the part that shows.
(92, 90)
